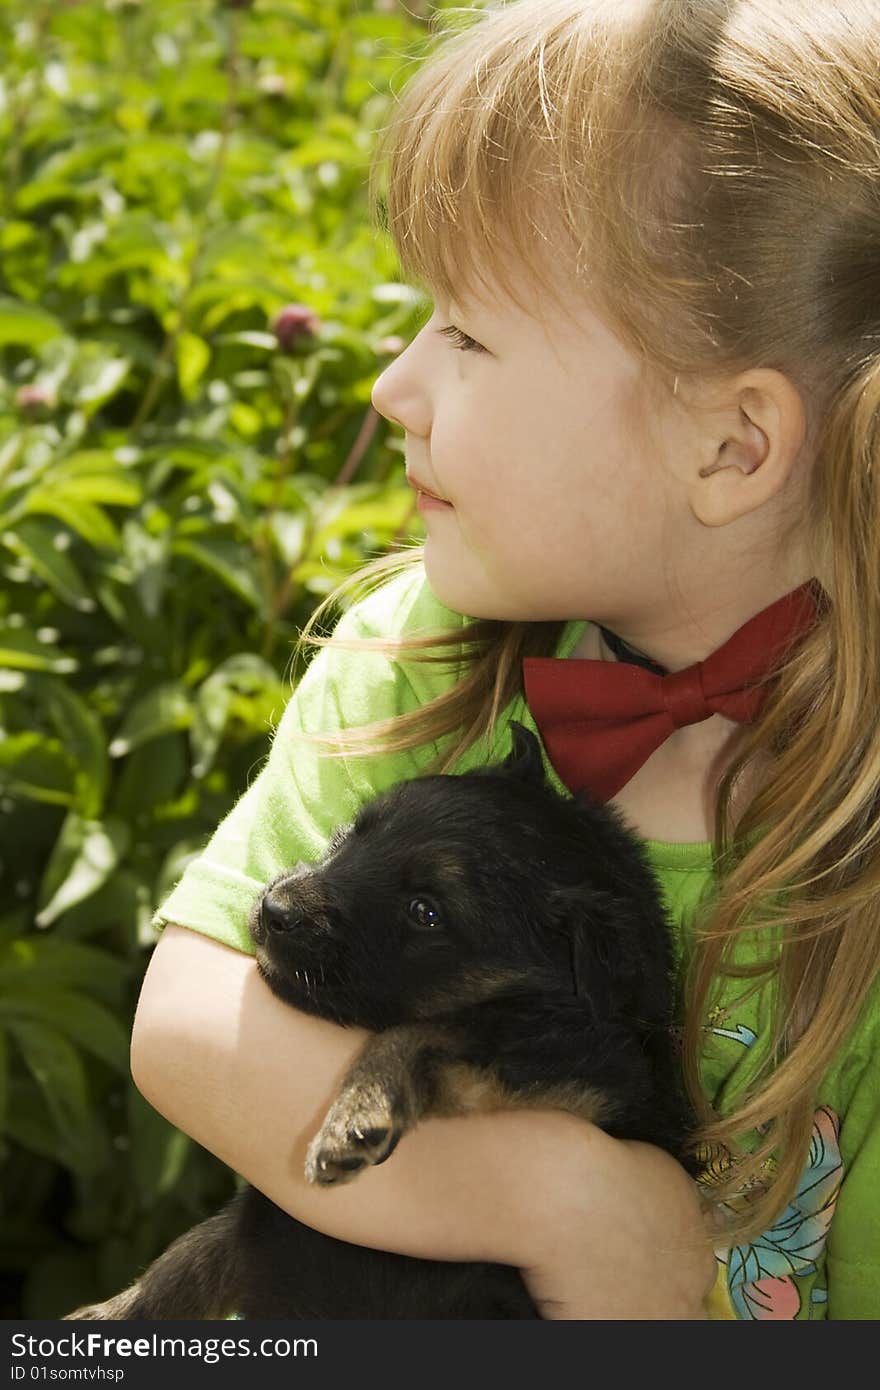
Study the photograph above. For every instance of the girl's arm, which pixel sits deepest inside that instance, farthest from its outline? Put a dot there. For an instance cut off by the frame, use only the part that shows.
(250, 1079)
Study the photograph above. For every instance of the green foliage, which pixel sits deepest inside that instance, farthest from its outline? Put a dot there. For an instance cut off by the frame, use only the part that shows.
(184, 471)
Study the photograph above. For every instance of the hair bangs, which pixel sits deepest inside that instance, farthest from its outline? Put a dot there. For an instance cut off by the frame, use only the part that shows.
(473, 176)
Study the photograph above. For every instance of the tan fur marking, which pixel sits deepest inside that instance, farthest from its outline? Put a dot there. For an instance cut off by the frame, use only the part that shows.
(463, 1088)
(472, 987)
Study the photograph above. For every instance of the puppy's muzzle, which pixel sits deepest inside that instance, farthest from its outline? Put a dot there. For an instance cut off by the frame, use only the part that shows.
(279, 917)
(294, 912)
(278, 912)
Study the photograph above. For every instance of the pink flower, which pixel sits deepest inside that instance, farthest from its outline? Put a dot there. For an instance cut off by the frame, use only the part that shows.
(294, 324)
(35, 399)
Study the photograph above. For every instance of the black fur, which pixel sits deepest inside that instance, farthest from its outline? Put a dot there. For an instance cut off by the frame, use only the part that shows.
(485, 930)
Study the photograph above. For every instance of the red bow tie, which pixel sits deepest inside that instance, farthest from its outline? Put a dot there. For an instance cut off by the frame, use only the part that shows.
(601, 720)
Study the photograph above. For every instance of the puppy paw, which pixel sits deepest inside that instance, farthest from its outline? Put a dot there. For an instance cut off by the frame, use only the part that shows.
(360, 1129)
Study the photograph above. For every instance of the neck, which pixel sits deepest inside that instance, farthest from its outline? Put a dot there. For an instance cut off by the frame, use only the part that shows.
(673, 648)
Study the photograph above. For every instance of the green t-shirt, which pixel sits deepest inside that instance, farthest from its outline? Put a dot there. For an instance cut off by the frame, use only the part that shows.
(822, 1257)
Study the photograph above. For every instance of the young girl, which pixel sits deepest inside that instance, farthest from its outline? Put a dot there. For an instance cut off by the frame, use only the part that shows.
(645, 411)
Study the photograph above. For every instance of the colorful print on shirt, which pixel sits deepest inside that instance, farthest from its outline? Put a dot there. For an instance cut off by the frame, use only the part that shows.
(781, 1274)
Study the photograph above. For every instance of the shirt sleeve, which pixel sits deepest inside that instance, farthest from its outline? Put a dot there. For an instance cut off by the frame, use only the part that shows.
(301, 794)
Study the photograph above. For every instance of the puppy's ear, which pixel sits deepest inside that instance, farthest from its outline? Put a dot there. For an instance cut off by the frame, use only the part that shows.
(524, 760)
(574, 907)
(619, 969)
(605, 963)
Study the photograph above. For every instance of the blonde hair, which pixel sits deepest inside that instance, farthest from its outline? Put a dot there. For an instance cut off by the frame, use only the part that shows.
(710, 175)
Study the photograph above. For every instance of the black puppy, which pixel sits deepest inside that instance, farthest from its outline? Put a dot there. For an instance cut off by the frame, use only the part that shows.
(506, 946)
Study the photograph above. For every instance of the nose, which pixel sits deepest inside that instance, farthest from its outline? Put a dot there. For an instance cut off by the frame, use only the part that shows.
(398, 394)
(276, 916)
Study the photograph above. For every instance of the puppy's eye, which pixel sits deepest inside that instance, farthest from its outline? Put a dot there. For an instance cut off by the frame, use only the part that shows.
(423, 913)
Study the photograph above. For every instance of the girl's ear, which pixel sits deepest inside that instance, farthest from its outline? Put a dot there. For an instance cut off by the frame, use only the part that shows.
(524, 761)
(760, 442)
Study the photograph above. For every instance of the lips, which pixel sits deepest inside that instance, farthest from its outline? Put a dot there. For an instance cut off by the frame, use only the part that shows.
(420, 487)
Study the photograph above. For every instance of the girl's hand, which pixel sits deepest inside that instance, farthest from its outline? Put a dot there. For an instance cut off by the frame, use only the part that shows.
(627, 1240)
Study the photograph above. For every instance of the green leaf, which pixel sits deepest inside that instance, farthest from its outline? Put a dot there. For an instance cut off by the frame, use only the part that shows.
(161, 711)
(211, 711)
(384, 514)
(37, 767)
(26, 324)
(57, 1068)
(193, 356)
(249, 338)
(98, 380)
(48, 961)
(243, 674)
(83, 858)
(93, 475)
(245, 420)
(294, 378)
(174, 864)
(230, 246)
(153, 774)
(56, 176)
(14, 923)
(147, 556)
(11, 451)
(31, 1125)
(289, 531)
(87, 520)
(92, 1027)
(122, 907)
(248, 673)
(229, 561)
(35, 541)
(82, 734)
(21, 648)
(158, 1150)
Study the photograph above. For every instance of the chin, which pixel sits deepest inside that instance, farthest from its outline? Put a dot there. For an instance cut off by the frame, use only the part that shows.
(451, 586)
(474, 600)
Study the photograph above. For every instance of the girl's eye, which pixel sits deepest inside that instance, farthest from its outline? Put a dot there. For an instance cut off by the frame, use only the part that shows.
(423, 913)
(463, 341)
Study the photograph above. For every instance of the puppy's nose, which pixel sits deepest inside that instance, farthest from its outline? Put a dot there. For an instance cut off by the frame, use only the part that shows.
(276, 916)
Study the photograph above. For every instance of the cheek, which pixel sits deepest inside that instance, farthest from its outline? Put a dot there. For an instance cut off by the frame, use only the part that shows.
(538, 489)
